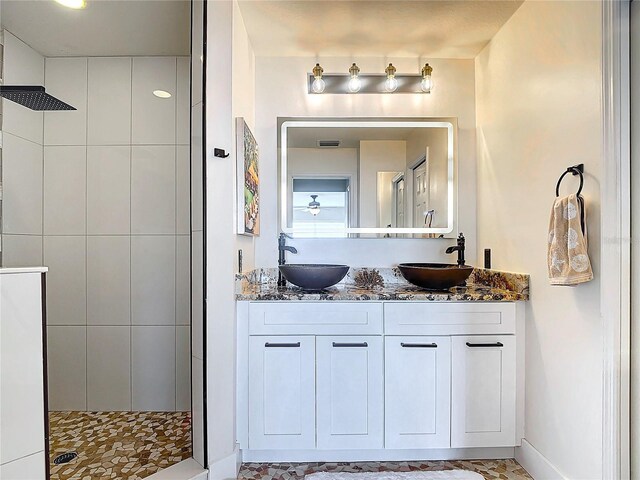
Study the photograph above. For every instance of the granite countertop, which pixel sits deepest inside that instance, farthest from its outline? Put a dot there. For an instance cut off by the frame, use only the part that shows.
(385, 284)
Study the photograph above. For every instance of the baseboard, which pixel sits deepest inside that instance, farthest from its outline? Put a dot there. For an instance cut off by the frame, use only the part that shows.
(536, 464)
(186, 470)
(381, 455)
(226, 468)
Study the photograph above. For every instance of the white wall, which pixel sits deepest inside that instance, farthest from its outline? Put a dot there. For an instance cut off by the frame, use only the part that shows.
(113, 225)
(243, 105)
(538, 104)
(281, 91)
(229, 94)
(377, 156)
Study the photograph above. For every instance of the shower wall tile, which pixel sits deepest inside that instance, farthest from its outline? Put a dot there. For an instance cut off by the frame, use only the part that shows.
(154, 118)
(183, 200)
(66, 79)
(65, 190)
(183, 369)
(22, 186)
(105, 204)
(153, 187)
(153, 367)
(108, 190)
(22, 66)
(109, 101)
(22, 251)
(153, 280)
(183, 97)
(108, 368)
(108, 280)
(67, 357)
(66, 281)
(183, 280)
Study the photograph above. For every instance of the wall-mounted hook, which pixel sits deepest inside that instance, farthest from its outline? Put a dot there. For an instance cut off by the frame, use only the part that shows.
(220, 153)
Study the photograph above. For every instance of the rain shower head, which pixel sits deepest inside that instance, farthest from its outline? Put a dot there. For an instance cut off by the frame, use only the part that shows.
(33, 97)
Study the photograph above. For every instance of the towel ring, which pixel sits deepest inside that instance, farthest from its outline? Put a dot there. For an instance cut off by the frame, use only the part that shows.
(575, 170)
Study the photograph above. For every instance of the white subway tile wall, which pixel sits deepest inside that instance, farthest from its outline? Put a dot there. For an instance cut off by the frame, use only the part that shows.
(101, 196)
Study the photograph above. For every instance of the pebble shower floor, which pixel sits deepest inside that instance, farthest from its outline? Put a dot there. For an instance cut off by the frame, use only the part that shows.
(117, 445)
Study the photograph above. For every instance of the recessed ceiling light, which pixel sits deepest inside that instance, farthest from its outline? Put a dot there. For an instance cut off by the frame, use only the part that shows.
(75, 4)
(161, 94)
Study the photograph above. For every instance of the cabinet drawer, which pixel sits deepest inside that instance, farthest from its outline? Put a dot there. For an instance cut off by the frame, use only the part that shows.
(324, 318)
(429, 318)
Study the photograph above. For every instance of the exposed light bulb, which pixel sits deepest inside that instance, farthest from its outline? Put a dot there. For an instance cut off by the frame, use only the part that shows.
(75, 4)
(317, 86)
(354, 85)
(426, 84)
(354, 82)
(391, 83)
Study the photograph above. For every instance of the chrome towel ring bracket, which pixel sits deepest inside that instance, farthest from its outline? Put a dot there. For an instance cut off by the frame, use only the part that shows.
(574, 170)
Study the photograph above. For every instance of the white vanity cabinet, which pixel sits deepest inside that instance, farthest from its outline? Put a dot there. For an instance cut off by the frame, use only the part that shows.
(366, 380)
(282, 392)
(483, 391)
(350, 398)
(417, 379)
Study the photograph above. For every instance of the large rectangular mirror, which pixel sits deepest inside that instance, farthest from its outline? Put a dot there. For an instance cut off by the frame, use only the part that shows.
(368, 177)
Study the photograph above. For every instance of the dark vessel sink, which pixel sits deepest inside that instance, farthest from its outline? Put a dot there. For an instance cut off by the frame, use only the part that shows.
(313, 276)
(435, 276)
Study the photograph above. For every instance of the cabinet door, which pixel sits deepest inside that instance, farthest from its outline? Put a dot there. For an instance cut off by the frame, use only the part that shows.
(281, 393)
(483, 391)
(350, 392)
(417, 392)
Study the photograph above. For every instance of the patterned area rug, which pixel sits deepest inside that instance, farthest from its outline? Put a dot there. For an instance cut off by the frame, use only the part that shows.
(441, 475)
(507, 469)
(118, 445)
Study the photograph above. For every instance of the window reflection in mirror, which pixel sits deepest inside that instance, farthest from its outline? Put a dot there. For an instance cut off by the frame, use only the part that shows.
(368, 177)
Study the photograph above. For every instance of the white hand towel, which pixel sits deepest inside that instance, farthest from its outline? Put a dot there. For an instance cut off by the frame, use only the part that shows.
(567, 255)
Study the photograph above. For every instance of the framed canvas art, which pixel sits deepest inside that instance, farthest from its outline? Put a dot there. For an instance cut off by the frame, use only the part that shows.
(248, 180)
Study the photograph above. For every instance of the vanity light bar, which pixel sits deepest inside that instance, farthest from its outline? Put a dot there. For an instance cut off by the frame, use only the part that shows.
(319, 82)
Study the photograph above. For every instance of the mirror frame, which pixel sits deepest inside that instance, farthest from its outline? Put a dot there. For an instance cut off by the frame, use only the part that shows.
(421, 122)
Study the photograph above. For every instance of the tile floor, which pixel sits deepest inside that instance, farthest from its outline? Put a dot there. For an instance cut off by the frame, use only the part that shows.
(489, 469)
(118, 445)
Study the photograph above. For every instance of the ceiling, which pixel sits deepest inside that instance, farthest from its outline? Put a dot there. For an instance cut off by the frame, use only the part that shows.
(429, 28)
(103, 28)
